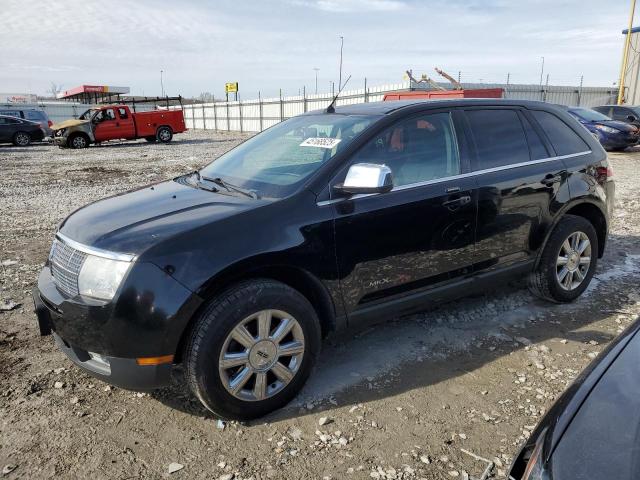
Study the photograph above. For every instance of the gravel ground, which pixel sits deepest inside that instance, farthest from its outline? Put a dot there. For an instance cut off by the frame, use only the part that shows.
(403, 400)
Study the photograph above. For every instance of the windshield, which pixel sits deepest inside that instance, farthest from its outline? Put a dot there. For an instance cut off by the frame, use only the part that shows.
(274, 162)
(88, 114)
(589, 115)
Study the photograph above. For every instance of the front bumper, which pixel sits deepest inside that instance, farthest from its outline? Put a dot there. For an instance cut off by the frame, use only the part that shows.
(146, 319)
(121, 372)
(59, 141)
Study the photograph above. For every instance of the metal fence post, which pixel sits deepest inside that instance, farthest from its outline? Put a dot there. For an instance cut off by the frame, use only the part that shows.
(204, 118)
(228, 117)
(260, 109)
(304, 98)
(580, 90)
(193, 115)
(240, 112)
(215, 115)
(281, 107)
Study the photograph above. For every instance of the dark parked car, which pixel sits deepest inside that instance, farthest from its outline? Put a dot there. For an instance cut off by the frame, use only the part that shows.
(593, 430)
(18, 131)
(622, 113)
(32, 114)
(323, 221)
(612, 134)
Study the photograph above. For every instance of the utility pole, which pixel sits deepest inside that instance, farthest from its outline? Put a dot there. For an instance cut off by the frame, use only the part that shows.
(317, 70)
(541, 71)
(340, 77)
(625, 55)
(161, 83)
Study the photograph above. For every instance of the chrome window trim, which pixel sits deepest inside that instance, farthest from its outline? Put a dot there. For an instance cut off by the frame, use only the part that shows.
(98, 252)
(455, 177)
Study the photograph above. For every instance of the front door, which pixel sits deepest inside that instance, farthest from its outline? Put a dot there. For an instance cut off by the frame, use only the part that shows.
(127, 127)
(106, 125)
(417, 235)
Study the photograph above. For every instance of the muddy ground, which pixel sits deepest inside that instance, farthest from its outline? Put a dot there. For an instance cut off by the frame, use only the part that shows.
(402, 400)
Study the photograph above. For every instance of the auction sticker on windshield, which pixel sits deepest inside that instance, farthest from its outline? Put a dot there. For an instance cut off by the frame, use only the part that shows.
(320, 142)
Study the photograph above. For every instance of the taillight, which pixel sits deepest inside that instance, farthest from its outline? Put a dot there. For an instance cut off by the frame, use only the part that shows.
(604, 173)
(49, 122)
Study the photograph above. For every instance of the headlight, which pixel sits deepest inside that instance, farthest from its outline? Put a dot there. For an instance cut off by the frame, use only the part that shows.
(535, 466)
(606, 129)
(100, 277)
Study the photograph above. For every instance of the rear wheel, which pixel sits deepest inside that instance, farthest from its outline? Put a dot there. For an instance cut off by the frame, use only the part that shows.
(21, 139)
(78, 141)
(568, 261)
(252, 349)
(164, 134)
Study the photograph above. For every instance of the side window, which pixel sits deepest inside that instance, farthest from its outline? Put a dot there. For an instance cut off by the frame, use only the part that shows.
(33, 115)
(109, 114)
(564, 140)
(537, 149)
(499, 138)
(123, 113)
(416, 149)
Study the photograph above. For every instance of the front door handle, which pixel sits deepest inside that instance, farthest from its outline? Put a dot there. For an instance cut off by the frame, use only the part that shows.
(457, 202)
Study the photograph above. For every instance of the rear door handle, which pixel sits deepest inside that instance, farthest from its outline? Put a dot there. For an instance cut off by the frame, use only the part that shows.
(457, 202)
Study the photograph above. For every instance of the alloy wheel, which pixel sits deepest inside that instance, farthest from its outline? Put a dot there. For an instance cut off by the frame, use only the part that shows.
(164, 135)
(261, 355)
(79, 142)
(573, 261)
(22, 139)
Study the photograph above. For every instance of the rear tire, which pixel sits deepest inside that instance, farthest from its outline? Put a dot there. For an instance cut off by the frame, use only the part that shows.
(78, 140)
(568, 261)
(164, 134)
(21, 139)
(252, 349)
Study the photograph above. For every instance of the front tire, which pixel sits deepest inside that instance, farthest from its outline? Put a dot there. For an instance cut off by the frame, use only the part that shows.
(78, 140)
(164, 134)
(568, 261)
(252, 349)
(21, 139)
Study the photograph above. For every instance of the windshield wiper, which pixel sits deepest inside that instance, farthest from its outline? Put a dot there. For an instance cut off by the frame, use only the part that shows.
(230, 187)
(198, 183)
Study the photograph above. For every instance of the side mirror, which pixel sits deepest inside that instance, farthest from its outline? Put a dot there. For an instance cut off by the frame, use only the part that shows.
(366, 178)
(631, 118)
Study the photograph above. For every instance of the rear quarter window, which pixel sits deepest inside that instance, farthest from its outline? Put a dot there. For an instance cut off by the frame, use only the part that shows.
(564, 140)
(34, 115)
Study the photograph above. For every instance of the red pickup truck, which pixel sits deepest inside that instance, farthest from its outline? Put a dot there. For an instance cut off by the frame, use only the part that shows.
(117, 122)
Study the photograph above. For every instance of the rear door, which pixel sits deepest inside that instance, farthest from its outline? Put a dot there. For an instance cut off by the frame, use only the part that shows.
(518, 177)
(418, 235)
(6, 129)
(126, 124)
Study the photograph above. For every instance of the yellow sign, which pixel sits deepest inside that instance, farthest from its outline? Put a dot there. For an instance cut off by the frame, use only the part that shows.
(231, 87)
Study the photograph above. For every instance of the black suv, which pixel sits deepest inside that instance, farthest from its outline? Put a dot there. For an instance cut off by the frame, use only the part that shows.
(326, 220)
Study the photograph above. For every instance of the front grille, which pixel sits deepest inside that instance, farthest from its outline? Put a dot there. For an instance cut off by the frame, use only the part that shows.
(66, 263)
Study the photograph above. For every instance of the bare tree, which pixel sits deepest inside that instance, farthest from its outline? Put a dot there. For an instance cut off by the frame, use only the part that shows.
(206, 97)
(55, 89)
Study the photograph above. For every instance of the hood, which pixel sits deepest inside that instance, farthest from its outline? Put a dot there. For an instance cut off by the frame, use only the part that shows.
(68, 123)
(622, 126)
(135, 221)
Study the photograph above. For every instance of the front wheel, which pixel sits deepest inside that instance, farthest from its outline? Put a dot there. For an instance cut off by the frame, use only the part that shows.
(21, 139)
(252, 349)
(568, 261)
(164, 134)
(78, 141)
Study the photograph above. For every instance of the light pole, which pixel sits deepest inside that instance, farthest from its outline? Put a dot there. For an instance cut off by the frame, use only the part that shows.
(161, 83)
(541, 71)
(627, 41)
(317, 70)
(340, 77)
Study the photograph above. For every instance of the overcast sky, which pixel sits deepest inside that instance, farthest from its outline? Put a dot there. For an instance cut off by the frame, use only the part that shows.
(266, 45)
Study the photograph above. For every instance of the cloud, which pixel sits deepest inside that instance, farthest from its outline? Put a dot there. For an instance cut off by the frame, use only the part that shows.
(343, 6)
